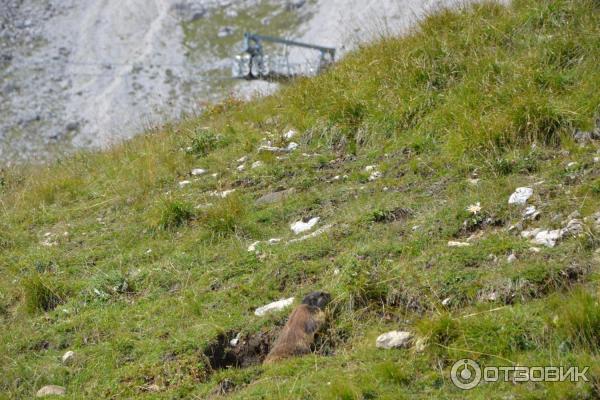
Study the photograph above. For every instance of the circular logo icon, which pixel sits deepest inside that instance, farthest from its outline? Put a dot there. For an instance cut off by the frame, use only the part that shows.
(465, 374)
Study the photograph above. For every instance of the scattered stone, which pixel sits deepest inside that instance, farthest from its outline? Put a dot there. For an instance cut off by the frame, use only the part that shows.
(375, 175)
(198, 171)
(274, 197)
(222, 194)
(275, 306)
(531, 213)
(252, 247)
(241, 167)
(596, 159)
(292, 146)
(394, 340)
(511, 258)
(583, 137)
(446, 302)
(273, 149)
(301, 226)
(234, 342)
(242, 160)
(274, 240)
(289, 134)
(51, 390)
(520, 195)
(226, 31)
(453, 243)
(68, 357)
(574, 227)
(257, 164)
(316, 233)
(473, 182)
(183, 184)
(546, 238)
(535, 249)
(369, 168)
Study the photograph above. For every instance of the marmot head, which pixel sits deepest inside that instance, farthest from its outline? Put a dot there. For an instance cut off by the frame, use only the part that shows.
(317, 299)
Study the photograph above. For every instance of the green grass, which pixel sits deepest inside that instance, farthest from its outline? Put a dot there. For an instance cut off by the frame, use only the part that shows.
(103, 253)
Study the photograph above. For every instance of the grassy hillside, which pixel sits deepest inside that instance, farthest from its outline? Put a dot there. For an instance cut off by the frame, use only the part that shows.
(144, 277)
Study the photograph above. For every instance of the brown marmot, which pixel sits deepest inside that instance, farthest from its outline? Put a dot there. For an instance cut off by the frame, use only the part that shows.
(298, 334)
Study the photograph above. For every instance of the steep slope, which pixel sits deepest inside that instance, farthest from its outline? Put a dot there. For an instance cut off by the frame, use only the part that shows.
(408, 152)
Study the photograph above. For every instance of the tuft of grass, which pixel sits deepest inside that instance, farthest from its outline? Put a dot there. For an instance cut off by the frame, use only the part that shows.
(170, 214)
(41, 294)
(226, 217)
(579, 319)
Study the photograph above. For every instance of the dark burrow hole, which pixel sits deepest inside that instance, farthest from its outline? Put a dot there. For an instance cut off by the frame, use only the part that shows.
(249, 350)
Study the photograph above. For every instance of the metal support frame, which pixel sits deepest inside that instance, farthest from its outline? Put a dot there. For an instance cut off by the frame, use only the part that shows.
(254, 56)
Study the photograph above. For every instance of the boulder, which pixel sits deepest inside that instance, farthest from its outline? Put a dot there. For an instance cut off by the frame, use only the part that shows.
(51, 390)
(274, 306)
(394, 340)
(301, 226)
(520, 196)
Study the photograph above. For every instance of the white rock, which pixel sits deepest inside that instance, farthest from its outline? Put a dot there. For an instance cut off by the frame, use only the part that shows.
(292, 146)
(233, 342)
(394, 340)
(272, 149)
(473, 182)
(301, 226)
(252, 247)
(214, 175)
(198, 171)
(257, 164)
(531, 213)
(375, 175)
(573, 228)
(274, 240)
(68, 357)
(453, 243)
(446, 302)
(183, 184)
(535, 249)
(275, 306)
(289, 134)
(520, 195)
(242, 160)
(316, 233)
(572, 165)
(596, 159)
(241, 167)
(511, 258)
(547, 238)
(369, 168)
(222, 194)
(50, 390)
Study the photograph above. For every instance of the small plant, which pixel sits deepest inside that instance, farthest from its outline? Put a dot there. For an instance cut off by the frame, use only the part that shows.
(41, 294)
(204, 142)
(171, 214)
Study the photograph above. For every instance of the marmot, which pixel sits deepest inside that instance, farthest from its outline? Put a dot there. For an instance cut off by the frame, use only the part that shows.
(298, 334)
